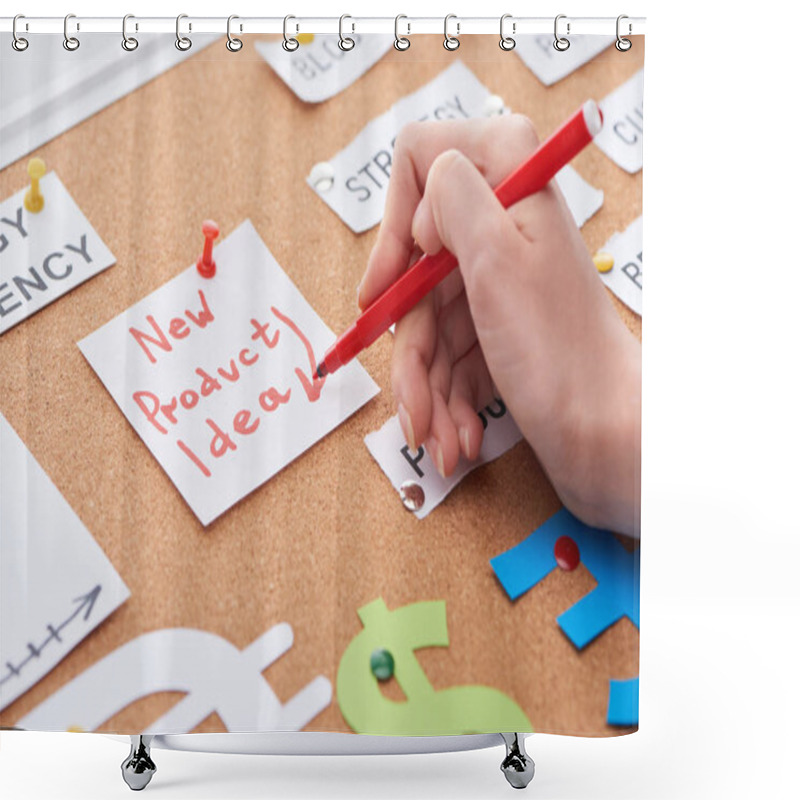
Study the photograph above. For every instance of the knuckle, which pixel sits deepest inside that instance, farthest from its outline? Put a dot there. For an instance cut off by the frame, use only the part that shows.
(410, 134)
(521, 129)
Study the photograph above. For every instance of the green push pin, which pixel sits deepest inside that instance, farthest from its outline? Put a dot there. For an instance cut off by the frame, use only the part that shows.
(381, 662)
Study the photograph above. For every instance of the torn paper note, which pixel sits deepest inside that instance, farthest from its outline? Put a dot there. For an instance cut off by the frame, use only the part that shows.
(361, 171)
(354, 182)
(388, 447)
(56, 584)
(625, 277)
(215, 676)
(217, 375)
(622, 135)
(319, 69)
(44, 255)
(550, 65)
(583, 200)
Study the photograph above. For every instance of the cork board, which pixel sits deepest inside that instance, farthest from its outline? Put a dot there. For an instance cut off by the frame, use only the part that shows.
(221, 136)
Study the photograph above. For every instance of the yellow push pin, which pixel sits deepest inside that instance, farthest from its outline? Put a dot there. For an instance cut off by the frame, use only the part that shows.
(34, 200)
(305, 38)
(76, 729)
(604, 262)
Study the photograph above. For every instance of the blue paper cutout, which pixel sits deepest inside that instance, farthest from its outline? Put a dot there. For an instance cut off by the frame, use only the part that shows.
(623, 702)
(614, 568)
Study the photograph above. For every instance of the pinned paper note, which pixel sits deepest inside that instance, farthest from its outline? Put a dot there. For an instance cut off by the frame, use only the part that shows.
(443, 711)
(355, 181)
(622, 135)
(215, 676)
(217, 375)
(583, 200)
(319, 69)
(56, 584)
(614, 568)
(388, 447)
(625, 276)
(550, 65)
(46, 254)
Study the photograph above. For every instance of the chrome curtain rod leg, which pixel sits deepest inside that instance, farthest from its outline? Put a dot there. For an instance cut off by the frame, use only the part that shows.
(138, 768)
(517, 766)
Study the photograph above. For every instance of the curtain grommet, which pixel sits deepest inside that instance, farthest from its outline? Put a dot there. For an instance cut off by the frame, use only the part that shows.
(561, 43)
(71, 43)
(623, 45)
(401, 43)
(289, 43)
(129, 43)
(19, 43)
(451, 43)
(507, 42)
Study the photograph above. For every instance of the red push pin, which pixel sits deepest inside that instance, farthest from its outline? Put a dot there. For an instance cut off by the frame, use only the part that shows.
(567, 554)
(206, 265)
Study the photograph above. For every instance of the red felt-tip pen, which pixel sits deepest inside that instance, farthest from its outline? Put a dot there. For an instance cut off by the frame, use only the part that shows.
(529, 178)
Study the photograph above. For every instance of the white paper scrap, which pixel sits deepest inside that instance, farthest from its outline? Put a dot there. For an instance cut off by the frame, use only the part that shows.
(583, 200)
(622, 135)
(361, 171)
(550, 65)
(625, 277)
(388, 447)
(56, 584)
(44, 255)
(357, 178)
(216, 677)
(217, 375)
(319, 69)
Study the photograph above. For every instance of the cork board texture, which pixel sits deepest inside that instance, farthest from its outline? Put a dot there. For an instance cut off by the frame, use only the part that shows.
(221, 136)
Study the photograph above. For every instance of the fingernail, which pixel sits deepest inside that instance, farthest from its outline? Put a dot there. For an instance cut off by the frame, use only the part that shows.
(408, 428)
(358, 294)
(436, 451)
(463, 437)
(415, 223)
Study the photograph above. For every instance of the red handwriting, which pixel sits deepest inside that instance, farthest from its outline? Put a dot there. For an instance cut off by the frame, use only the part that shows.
(178, 329)
(163, 413)
(313, 387)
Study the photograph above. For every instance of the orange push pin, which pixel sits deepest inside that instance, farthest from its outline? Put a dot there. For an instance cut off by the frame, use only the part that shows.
(206, 265)
(34, 200)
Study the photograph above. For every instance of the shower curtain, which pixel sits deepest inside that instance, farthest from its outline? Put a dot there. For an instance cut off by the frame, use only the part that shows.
(205, 524)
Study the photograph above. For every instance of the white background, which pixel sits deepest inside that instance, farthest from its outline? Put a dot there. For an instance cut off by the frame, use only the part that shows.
(720, 696)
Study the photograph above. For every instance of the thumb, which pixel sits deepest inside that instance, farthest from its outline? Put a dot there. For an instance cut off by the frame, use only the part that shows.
(459, 211)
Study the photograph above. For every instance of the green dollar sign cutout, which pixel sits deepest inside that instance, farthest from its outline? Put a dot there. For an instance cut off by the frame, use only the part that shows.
(425, 712)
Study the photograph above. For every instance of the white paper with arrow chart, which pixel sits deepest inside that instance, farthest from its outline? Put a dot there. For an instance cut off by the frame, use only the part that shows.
(56, 584)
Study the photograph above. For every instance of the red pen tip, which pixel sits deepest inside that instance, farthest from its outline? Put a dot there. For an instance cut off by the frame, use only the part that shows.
(322, 370)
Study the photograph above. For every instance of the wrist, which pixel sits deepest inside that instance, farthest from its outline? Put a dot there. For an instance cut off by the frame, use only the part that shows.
(602, 484)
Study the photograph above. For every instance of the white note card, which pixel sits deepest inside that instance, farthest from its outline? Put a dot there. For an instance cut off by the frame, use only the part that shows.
(583, 200)
(621, 138)
(625, 277)
(388, 447)
(44, 255)
(217, 375)
(319, 69)
(355, 181)
(56, 584)
(550, 65)
(361, 171)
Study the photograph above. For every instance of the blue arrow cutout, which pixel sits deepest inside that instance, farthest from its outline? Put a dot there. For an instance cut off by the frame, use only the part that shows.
(614, 568)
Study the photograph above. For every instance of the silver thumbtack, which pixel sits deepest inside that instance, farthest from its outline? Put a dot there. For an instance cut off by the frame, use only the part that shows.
(412, 495)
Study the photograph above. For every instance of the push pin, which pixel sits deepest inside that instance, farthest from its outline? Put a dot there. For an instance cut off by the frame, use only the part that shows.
(381, 664)
(493, 106)
(206, 265)
(604, 262)
(566, 553)
(34, 200)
